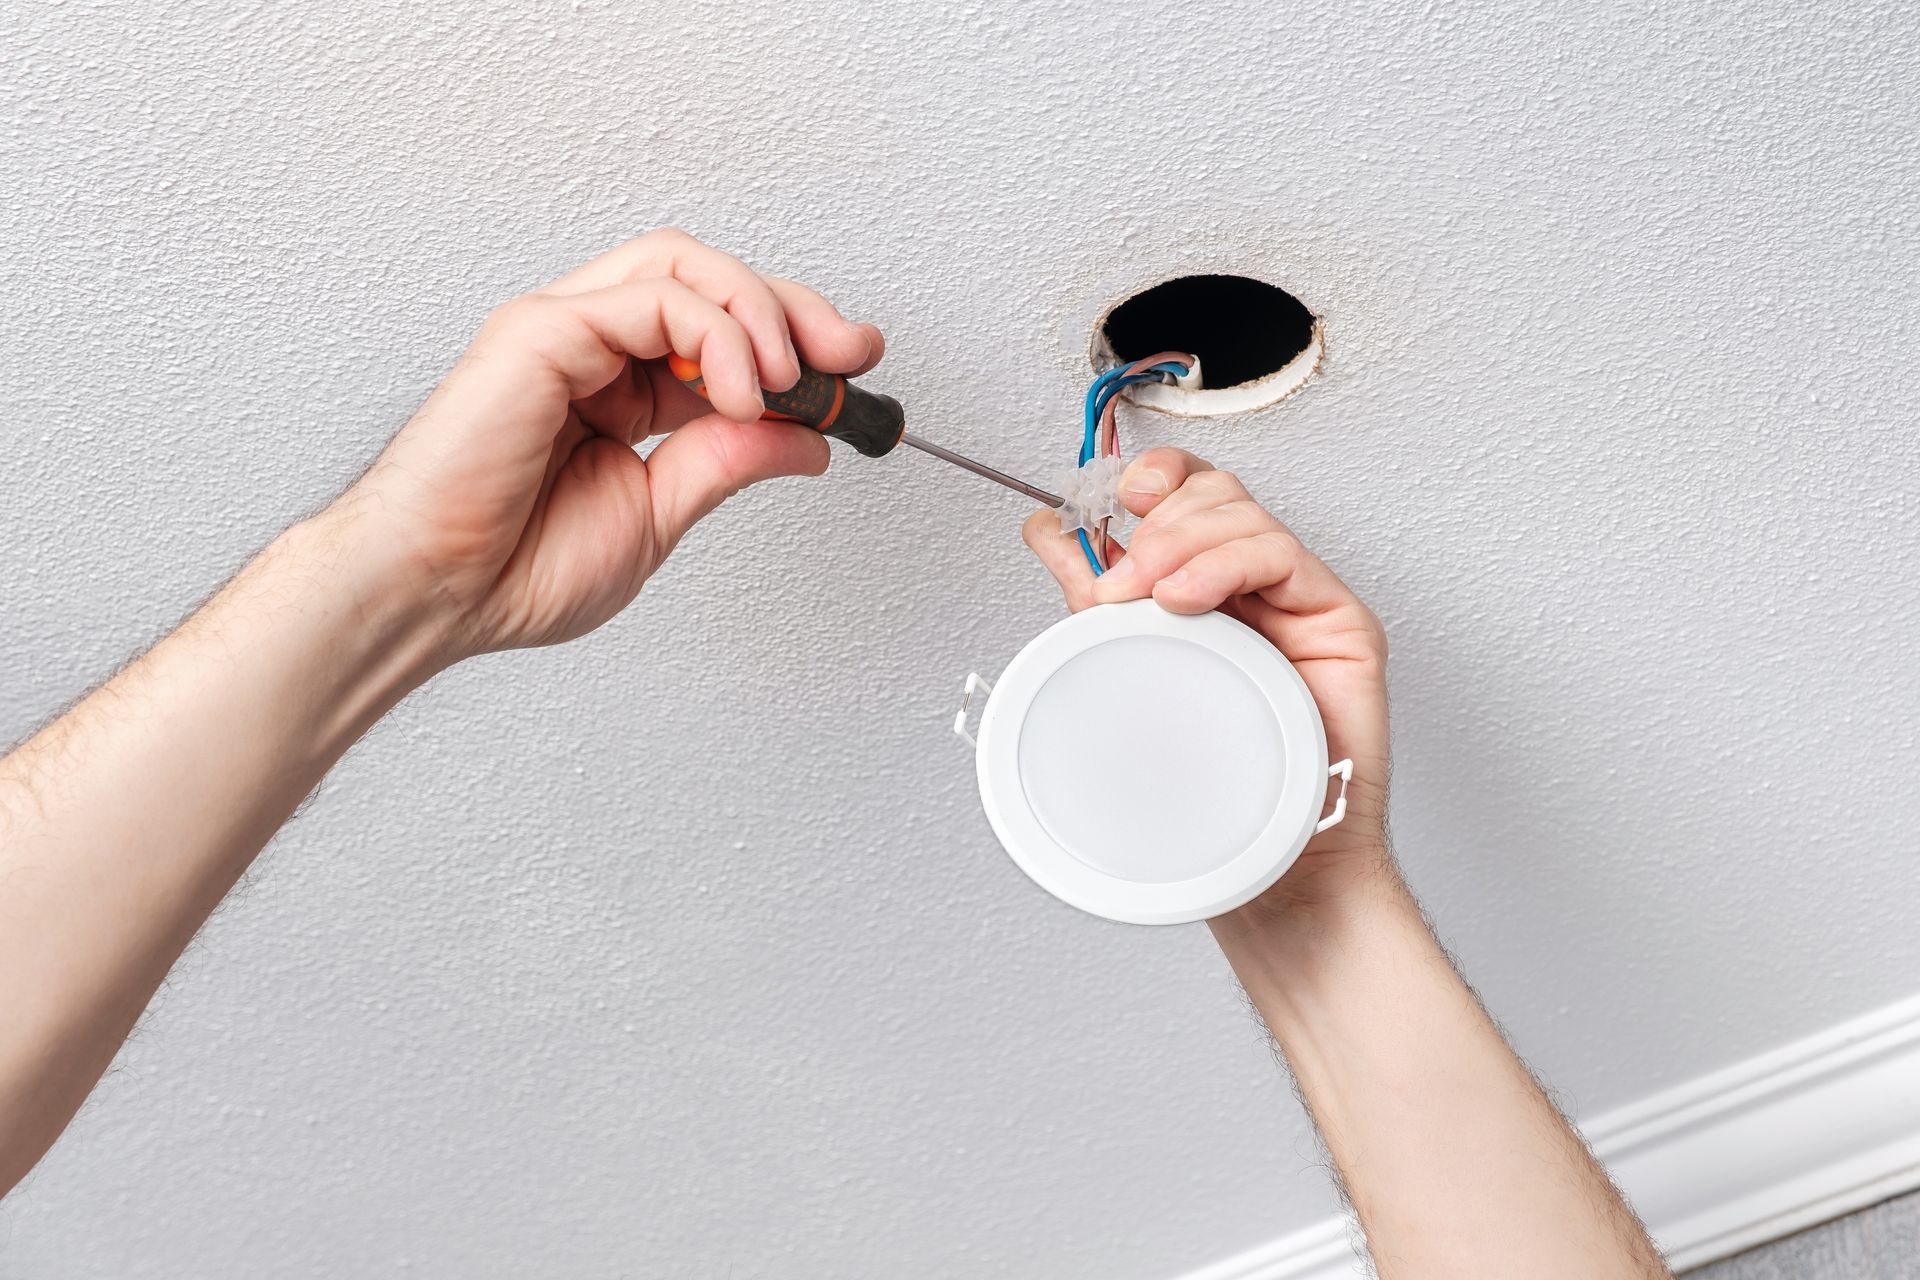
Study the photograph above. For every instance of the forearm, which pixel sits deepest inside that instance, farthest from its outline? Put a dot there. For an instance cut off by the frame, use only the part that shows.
(512, 510)
(124, 823)
(1455, 1161)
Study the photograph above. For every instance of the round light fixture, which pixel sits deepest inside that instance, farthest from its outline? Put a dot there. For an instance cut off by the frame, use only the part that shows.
(1152, 767)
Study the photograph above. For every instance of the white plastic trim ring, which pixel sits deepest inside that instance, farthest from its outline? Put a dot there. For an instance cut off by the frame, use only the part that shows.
(1299, 796)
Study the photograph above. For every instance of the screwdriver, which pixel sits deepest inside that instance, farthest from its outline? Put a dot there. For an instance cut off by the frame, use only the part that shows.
(873, 424)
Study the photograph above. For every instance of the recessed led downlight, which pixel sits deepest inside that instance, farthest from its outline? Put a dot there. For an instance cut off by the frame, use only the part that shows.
(1153, 767)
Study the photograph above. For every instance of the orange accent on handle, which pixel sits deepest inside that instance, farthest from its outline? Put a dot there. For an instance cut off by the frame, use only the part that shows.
(689, 372)
(839, 401)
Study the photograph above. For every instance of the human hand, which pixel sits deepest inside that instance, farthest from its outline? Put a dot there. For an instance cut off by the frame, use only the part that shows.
(514, 500)
(1203, 543)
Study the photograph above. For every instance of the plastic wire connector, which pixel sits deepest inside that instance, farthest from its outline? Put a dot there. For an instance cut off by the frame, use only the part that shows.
(1090, 493)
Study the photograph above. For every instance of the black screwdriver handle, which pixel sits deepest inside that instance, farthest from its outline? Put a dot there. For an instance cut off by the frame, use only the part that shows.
(828, 403)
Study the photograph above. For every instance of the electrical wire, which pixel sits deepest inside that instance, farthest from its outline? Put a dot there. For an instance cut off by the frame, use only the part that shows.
(1100, 436)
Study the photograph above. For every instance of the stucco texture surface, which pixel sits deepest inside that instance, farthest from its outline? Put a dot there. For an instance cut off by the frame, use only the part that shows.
(686, 950)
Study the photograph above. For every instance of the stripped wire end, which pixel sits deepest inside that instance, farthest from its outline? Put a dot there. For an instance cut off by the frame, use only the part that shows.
(1101, 440)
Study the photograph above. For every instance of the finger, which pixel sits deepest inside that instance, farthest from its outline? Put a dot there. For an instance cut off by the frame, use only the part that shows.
(712, 273)
(1200, 491)
(1163, 548)
(581, 342)
(724, 279)
(827, 340)
(1272, 564)
(1154, 475)
(876, 347)
(1062, 555)
(706, 462)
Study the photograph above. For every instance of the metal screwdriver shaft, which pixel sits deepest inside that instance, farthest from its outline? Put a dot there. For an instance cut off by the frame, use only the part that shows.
(871, 423)
(980, 469)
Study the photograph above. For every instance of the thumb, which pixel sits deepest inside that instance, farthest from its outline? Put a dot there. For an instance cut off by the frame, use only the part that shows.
(1155, 474)
(702, 464)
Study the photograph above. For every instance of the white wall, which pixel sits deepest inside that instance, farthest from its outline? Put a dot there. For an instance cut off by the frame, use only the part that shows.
(686, 950)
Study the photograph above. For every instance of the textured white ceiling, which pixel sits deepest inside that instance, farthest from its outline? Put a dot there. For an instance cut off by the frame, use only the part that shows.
(686, 951)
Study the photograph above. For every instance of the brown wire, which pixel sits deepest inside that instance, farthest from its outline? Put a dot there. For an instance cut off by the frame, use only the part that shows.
(1107, 437)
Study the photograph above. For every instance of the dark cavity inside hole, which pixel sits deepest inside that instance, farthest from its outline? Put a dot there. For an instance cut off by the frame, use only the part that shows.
(1242, 329)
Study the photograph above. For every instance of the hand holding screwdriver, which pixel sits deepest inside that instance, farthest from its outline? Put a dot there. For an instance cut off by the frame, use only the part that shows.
(516, 494)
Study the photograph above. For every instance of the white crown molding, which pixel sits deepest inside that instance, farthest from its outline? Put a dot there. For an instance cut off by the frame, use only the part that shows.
(1726, 1161)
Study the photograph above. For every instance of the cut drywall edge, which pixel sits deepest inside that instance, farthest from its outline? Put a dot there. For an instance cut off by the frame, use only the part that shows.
(1727, 1161)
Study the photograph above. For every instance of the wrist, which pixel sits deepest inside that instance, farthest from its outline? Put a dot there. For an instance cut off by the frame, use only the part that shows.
(353, 617)
(1342, 874)
(1299, 939)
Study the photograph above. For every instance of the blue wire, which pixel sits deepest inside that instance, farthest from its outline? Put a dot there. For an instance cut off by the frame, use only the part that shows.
(1110, 384)
(1098, 399)
(1105, 388)
(1087, 547)
(1094, 404)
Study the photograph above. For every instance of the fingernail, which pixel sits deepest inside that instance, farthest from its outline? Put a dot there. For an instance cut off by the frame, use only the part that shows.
(1145, 483)
(1174, 579)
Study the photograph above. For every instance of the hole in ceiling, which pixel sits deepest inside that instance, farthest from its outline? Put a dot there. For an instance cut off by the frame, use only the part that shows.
(1257, 343)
